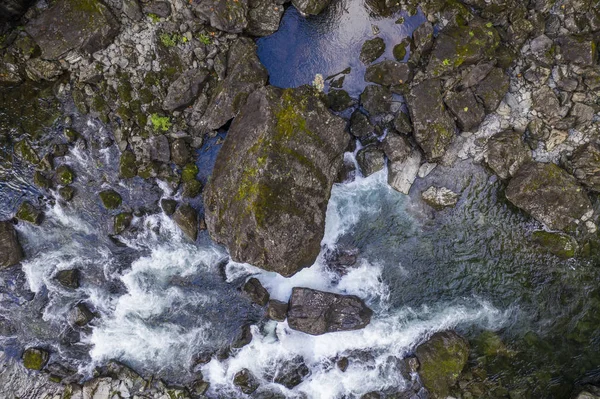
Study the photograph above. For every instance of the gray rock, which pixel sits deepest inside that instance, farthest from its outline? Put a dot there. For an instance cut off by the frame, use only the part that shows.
(183, 91)
(132, 9)
(317, 312)
(376, 100)
(492, 89)
(68, 278)
(38, 69)
(67, 25)
(541, 50)
(584, 164)
(370, 160)
(506, 153)
(433, 127)
(245, 75)
(256, 292)
(80, 315)
(339, 100)
(168, 206)
(291, 373)
(423, 41)
(186, 218)
(269, 206)
(263, 17)
(389, 73)
(245, 381)
(440, 197)
(550, 195)
(310, 7)
(403, 162)
(468, 112)
(180, 152)
(582, 113)
(277, 310)
(157, 148)
(360, 127)
(10, 249)
(578, 50)
(546, 102)
(402, 123)
(475, 75)
(371, 50)
(158, 7)
(226, 15)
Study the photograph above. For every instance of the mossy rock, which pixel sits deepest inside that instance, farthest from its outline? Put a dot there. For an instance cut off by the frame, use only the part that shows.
(490, 344)
(399, 50)
(28, 213)
(189, 172)
(35, 358)
(64, 175)
(40, 180)
(192, 188)
(70, 134)
(371, 50)
(66, 193)
(110, 199)
(122, 222)
(561, 245)
(26, 152)
(127, 165)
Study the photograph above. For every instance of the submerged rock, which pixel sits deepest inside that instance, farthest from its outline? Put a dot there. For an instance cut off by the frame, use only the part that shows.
(110, 199)
(561, 245)
(256, 292)
(442, 359)
(81, 25)
(291, 373)
(68, 278)
(35, 358)
(506, 153)
(440, 197)
(404, 162)
(269, 206)
(550, 195)
(80, 315)
(245, 381)
(311, 7)
(186, 218)
(317, 312)
(10, 249)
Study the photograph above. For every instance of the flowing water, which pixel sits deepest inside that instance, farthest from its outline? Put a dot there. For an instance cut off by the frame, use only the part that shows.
(162, 300)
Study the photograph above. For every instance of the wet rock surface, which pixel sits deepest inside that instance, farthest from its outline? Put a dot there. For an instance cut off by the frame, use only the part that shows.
(10, 249)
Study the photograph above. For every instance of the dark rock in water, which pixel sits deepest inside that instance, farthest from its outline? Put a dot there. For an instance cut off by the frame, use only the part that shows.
(127, 165)
(28, 213)
(277, 310)
(343, 364)
(442, 359)
(389, 73)
(10, 249)
(370, 159)
(468, 112)
(12, 9)
(81, 25)
(199, 387)
(360, 127)
(371, 50)
(68, 278)
(244, 337)
(291, 373)
(584, 164)
(269, 206)
(339, 100)
(183, 91)
(80, 315)
(41, 181)
(158, 8)
(66, 193)
(506, 153)
(340, 259)
(110, 199)
(317, 312)
(376, 100)
(561, 245)
(245, 74)
(35, 358)
(371, 395)
(433, 127)
(404, 162)
(310, 7)
(550, 195)
(121, 222)
(264, 17)
(168, 206)
(245, 381)
(225, 15)
(440, 197)
(256, 292)
(492, 89)
(399, 50)
(64, 175)
(578, 50)
(180, 152)
(186, 218)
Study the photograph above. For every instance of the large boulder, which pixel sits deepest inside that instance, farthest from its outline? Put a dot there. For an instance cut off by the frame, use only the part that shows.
(389, 73)
(183, 91)
(550, 195)
(442, 359)
(506, 153)
(82, 25)
(268, 207)
(310, 7)
(584, 164)
(404, 162)
(317, 312)
(433, 127)
(10, 249)
(245, 74)
(226, 15)
(263, 17)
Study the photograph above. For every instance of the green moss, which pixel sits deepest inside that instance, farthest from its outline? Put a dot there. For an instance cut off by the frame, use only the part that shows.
(127, 165)
(35, 359)
(124, 89)
(189, 172)
(160, 123)
(154, 18)
(204, 39)
(110, 199)
(192, 188)
(66, 193)
(148, 171)
(28, 213)
(558, 244)
(122, 222)
(26, 152)
(70, 134)
(64, 175)
(169, 40)
(400, 51)
(40, 180)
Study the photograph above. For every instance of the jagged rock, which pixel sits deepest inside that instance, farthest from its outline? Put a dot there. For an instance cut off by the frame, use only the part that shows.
(35, 358)
(186, 218)
(10, 249)
(360, 127)
(81, 25)
(263, 17)
(578, 50)
(404, 162)
(80, 315)
(245, 381)
(440, 197)
(226, 15)
(546, 102)
(310, 7)
(339, 100)
(376, 100)
(158, 8)
(317, 312)
(256, 292)
(288, 150)
(291, 373)
(468, 112)
(492, 89)
(475, 74)
(584, 164)
(506, 153)
(68, 278)
(277, 310)
(371, 50)
(433, 127)
(583, 114)
(38, 69)
(550, 195)
(558, 244)
(183, 91)
(370, 159)
(402, 123)
(132, 9)
(29, 213)
(389, 73)
(541, 50)
(157, 148)
(245, 74)
(442, 359)
(422, 42)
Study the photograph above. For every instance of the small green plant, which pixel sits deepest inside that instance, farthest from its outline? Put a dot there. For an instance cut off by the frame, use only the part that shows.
(168, 40)
(446, 62)
(155, 18)
(160, 123)
(204, 39)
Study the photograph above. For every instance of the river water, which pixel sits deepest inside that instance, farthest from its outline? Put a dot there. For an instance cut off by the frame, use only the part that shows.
(162, 300)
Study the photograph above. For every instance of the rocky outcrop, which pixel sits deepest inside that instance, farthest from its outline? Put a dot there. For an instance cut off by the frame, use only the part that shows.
(81, 25)
(440, 197)
(584, 164)
(225, 15)
(442, 359)
(371, 50)
(185, 89)
(245, 73)
(10, 249)
(256, 292)
(269, 206)
(264, 17)
(317, 312)
(186, 218)
(370, 160)
(506, 153)
(404, 162)
(310, 7)
(389, 73)
(550, 195)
